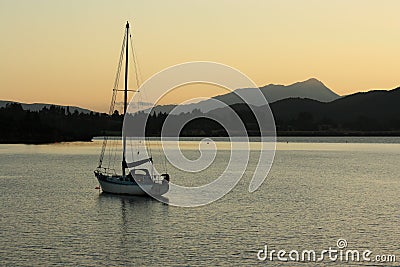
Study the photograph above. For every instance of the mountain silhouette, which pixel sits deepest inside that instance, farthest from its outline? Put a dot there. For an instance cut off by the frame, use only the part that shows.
(371, 113)
(311, 89)
(378, 104)
(374, 113)
(376, 110)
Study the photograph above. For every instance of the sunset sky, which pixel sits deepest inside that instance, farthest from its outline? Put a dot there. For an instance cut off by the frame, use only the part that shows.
(66, 52)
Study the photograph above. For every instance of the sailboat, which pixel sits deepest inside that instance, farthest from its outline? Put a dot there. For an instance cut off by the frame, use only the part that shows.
(136, 177)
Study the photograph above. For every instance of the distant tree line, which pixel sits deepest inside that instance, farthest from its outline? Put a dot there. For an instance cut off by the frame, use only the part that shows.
(298, 122)
(54, 124)
(371, 113)
(195, 126)
(292, 117)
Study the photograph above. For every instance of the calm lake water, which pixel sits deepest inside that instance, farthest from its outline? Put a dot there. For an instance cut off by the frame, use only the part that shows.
(318, 191)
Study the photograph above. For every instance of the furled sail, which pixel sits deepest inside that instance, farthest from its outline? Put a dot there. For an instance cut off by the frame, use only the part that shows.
(138, 163)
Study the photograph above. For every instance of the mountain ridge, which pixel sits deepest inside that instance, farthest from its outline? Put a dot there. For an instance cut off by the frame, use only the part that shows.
(311, 88)
(374, 113)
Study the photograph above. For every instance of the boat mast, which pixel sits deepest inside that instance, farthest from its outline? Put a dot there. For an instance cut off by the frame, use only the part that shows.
(124, 165)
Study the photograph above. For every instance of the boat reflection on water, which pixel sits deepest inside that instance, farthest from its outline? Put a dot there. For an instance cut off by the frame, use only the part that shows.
(135, 200)
(132, 220)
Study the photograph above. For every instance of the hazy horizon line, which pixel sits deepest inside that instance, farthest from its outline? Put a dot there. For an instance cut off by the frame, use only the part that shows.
(268, 84)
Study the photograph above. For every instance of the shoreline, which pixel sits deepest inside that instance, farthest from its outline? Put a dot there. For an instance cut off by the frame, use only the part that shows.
(293, 134)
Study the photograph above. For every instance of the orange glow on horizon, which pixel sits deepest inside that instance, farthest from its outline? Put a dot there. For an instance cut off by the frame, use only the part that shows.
(66, 52)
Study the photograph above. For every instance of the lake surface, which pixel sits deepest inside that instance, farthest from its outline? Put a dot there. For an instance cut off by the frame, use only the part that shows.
(319, 190)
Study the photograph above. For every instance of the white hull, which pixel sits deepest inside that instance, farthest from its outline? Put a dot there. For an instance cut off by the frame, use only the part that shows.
(113, 186)
(132, 189)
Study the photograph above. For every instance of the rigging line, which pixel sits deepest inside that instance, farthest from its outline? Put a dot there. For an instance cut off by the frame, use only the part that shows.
(130, 143)
(114, 143)
(139, 96)
(140, 106)
(114, 154)
(142, 98)
(137, 79)
(113, 151)
(117, 79)
(109, 156)
(113, 100)
(133, 53)
(112, 104)
(121, 59)
(110, 149)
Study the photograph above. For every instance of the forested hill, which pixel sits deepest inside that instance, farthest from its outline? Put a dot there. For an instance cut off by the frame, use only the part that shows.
(370, 113)
(362, 114)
